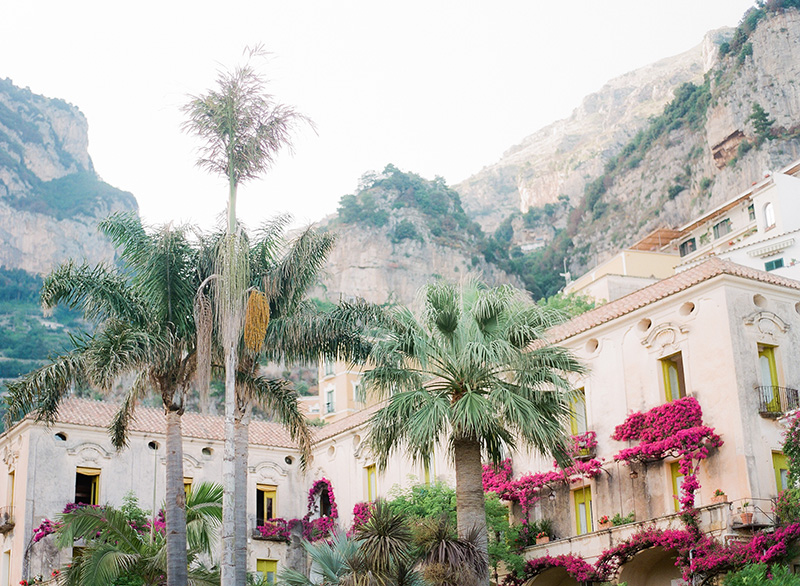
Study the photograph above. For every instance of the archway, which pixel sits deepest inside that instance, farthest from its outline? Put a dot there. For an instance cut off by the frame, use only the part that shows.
(652, 567)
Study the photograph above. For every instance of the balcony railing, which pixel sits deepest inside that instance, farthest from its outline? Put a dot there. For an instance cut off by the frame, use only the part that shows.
(6, 519)
(775, 401)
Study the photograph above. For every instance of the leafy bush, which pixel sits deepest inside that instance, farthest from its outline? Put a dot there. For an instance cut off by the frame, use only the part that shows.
(761, 574)
(405, 230)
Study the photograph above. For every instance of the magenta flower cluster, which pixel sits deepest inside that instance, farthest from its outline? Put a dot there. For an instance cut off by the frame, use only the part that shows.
(583, 443)
(313, 529)
(362, 513)
(674, 429)
(47, 527)
(275, 529)
(709, 556)
(526, 490)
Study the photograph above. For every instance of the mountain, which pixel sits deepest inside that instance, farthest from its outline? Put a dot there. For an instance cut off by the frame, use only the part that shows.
(557, 159)
(578, 191)
(399, 231)
(50, 195)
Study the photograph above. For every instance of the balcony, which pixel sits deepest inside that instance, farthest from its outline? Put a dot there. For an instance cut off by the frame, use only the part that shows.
(6, 519)
(775, 401)
(272, 530)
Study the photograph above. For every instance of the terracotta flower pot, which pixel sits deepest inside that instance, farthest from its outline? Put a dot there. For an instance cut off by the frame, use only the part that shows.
(541, 540)
(604, 525)
(746, 518)
(717, 499)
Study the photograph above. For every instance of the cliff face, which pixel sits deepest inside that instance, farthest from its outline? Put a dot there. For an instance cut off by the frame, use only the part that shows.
(398, 232)
(50, 196)
(692, 170)
(558, 159)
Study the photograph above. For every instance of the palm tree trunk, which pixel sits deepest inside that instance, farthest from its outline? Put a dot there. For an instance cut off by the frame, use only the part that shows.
(470, 506)
(228, 562)
(240, 514)
(175, 508)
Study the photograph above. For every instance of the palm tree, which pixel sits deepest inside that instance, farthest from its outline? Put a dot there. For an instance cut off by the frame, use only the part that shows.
(283, 326)
(119, 547)
(474, 370)
(243, 129)
(143, 325)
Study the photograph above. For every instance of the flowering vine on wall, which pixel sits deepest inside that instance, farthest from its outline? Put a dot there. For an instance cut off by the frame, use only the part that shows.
(676, 429)
(313, 529)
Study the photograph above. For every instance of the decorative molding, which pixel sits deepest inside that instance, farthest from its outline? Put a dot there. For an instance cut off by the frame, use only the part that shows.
(192, 461)
(766, 322)
(663, 335)
(268, 472)
(10, 457)
(89, 452)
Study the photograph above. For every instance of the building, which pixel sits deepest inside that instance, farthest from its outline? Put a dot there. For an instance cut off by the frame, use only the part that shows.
(722, 333)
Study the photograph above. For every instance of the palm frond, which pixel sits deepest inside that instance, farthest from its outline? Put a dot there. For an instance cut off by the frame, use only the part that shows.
(118, 429)
(279, 398)
(42, 390)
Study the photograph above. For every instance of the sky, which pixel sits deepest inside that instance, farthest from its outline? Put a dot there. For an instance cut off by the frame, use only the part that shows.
(435, 87)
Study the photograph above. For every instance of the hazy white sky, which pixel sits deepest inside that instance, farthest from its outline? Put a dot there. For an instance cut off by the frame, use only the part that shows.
(435, 87)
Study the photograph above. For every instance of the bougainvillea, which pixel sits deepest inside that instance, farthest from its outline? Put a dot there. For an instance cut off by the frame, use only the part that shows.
(362, 512)
(275, 529)
(526, 490)
(674, 429)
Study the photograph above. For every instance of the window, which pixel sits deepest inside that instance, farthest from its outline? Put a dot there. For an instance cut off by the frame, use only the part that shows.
(328, 367)
(677, 480)
(428, 471)
(722, 228)
(371, 477)
(672, 371)
(268, 570)
(781, 465)
(358, 393)
(187, 486)
(265, 502)
(769, 216)
(771, 265)
(577, 416)
(768, 377)
(688, 247)
(6, 568)
(583, 509)
(87, 485)
(330, 403)
(11, 482)
(751, 212)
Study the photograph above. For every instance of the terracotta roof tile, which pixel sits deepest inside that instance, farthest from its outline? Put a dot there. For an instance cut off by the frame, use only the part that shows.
(149, 420)
(349, 422)
(664, 288)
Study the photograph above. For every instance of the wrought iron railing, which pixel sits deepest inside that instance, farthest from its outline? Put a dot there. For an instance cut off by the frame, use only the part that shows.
(775, 401)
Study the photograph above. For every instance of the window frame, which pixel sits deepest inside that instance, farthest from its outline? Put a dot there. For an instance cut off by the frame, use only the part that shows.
(371, 482)
(688, 246)
(725, 225)
(676, 476)
(267, 566)
(578, 400)
(94, 491)
(780, 463)
(774, 264)
(666, 362)
(583, 496)
(266, 502)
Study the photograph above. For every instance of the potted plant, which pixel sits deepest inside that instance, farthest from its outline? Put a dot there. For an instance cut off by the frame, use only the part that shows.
(604, 522)
(744, 515)
(542, 537)
(719, 497)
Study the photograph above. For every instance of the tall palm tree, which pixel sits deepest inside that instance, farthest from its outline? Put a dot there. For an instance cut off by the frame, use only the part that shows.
(243, 129)
(283, 326)
(473, 370)
(143, 325)
(116, 547)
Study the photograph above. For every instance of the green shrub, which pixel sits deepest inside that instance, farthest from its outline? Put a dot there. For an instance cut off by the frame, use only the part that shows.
(762, 575)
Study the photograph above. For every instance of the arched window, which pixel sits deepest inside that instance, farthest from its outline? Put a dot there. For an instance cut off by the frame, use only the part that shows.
(769, 216)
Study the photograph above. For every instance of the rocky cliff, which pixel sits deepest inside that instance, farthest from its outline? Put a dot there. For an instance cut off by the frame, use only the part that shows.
(712, 149)
(50, 196)
(397, 233)
(557, 159)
